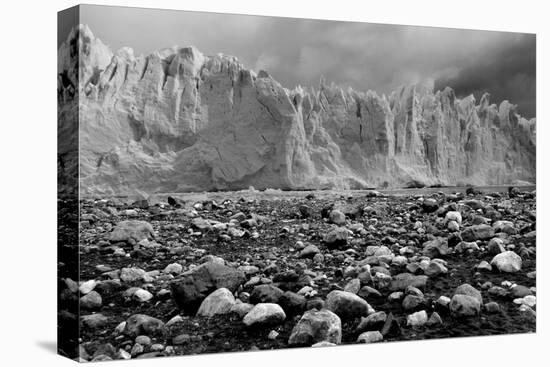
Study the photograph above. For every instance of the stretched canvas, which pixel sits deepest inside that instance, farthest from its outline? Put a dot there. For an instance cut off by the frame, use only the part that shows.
(234, 183)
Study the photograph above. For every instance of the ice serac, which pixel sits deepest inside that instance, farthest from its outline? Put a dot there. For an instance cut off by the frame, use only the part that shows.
(177, 120)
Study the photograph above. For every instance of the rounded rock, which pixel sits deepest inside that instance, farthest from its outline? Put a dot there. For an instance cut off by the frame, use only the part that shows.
(508, 262)
(317, 326)
(347, 305)
(218, 302)
(264, 314)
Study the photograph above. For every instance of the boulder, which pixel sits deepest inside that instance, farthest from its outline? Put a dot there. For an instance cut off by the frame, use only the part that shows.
(435, 248)
(132, 231)
(464, 306)
(338, 237)
(292, 303)
(478, 232)
(430, 205)
(468, 290)
(309, 251)
(316, 326)
(264, 314)
(142, 295)
(453, 216)
(370, 337)
(140, 324)
(417, 319)
(412, 302)
(218, 302)
(401, 281)
(265, 293)
(337, 217)
(495, 246)
(373, 321)
(434, 319)
(91, 301)
(132, 274)
(347, 305)
(508, 262)
(94, 321)
(192, 287)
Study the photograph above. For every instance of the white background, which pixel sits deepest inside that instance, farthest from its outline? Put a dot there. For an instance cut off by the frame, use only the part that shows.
(28, 180)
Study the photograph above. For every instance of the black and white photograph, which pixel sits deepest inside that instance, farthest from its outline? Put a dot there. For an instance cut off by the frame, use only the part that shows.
(242, 183)
(231, 183)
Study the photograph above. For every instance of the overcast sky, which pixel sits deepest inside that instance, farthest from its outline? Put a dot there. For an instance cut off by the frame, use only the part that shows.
(361, 55)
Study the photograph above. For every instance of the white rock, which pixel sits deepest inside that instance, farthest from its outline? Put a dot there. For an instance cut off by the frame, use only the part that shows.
(530, 301)
(141, 295)
(265, 314)
(174, 320)
(218, 302)
(507, 261)
(323, 344)
(131, 274)
(174, 268)
(370, 337)
(419, 318)
(453, 216)
(87, 287)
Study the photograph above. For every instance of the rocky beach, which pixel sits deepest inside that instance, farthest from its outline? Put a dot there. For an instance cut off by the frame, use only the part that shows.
(253, 270)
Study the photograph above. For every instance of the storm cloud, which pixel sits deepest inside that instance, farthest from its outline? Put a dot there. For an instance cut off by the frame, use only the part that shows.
(360, 55)
(506, 71)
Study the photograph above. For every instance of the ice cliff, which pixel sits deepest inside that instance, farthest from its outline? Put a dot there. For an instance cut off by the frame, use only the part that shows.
(177, 120)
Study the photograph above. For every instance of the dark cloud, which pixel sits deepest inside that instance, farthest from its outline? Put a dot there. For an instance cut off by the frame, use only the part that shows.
(361, 55)
(506, 71)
